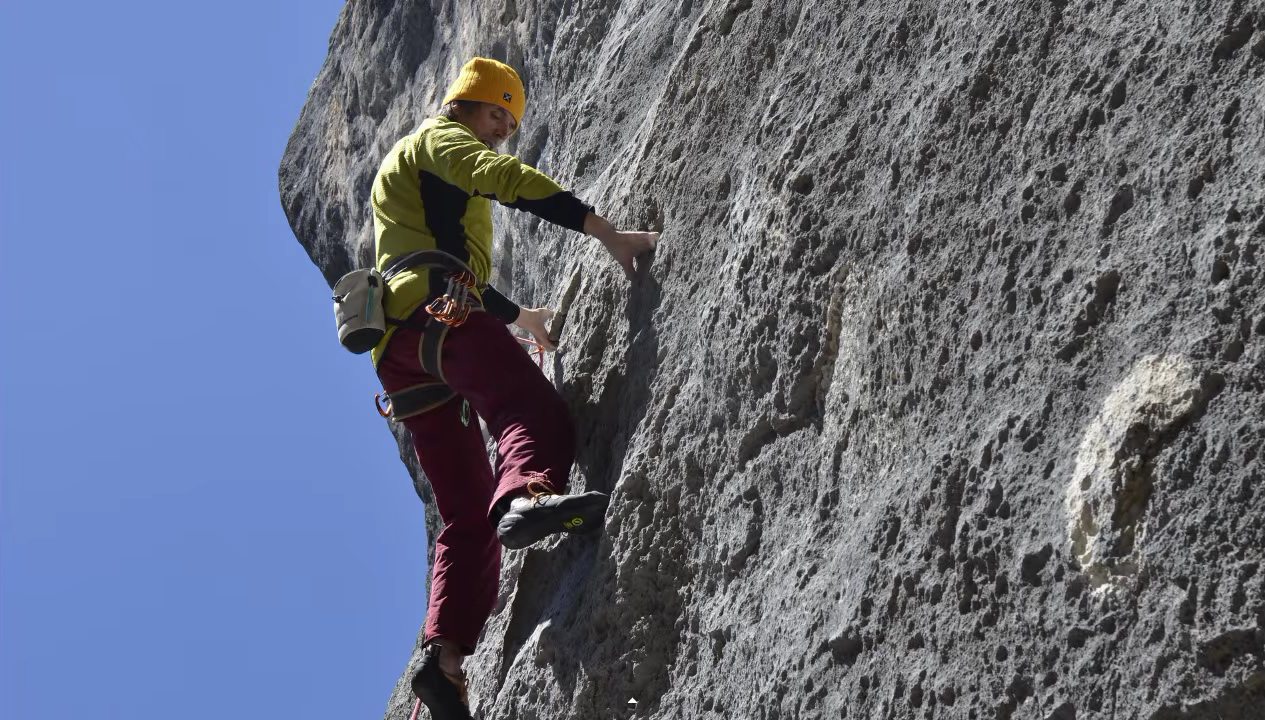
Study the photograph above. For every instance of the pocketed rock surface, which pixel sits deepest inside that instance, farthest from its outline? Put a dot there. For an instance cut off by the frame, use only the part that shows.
(942, 397)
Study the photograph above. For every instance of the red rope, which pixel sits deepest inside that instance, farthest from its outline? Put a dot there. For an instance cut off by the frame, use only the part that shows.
(539, 350)
(416, 705)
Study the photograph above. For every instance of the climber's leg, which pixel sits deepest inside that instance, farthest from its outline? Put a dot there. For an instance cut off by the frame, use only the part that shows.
(533, 430)
(451, 451)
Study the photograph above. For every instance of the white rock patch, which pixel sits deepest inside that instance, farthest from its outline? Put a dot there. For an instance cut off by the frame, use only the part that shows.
(1111, 484)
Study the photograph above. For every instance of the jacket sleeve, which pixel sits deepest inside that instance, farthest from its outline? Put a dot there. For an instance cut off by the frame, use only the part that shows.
(463, 161)
(501, 307)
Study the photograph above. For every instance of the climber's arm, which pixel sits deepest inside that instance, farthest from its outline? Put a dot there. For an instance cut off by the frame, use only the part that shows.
(500, 307)
(623, 246)
(467, 163)
(533, 320)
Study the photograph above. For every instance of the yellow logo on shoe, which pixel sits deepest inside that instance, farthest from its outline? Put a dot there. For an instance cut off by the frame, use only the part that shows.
(573, 523)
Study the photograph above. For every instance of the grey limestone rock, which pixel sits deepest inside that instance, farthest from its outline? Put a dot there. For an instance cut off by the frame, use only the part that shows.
(943, 397)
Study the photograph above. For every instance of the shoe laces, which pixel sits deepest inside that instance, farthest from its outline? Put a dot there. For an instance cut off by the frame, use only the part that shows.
(539, 487)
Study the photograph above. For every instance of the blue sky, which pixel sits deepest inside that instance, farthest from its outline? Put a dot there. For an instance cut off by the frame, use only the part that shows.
(201, 516)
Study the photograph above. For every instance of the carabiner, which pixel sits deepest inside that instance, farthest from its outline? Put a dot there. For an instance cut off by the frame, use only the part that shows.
(377, 397)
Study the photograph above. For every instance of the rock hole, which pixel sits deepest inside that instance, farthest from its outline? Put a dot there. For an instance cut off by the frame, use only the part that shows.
(1232, 41)
(1025, 112)
(914, 243)
(803, 184)
(1231, 112)
(846, 646)
(1118, 94)
(1195, 187)
(1072, 203)
(722, 190)
(1233, 351)
(994, 499)
(1077, 636)
(726, 23)
(981, 87)
(1033, 565)
(585, 162)
(1066, 711)
(1121, 203)
(1220, 271)
(1105, 289)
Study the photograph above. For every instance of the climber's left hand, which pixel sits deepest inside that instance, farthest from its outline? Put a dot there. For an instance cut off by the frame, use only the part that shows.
(536, 322)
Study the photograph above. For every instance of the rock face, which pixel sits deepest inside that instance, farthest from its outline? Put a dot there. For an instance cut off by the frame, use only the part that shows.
(943, 396)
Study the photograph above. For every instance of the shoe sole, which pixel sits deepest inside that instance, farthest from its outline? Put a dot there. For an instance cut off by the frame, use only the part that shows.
(578, 515)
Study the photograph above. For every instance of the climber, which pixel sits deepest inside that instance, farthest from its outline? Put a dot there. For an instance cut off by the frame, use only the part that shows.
(431, 194)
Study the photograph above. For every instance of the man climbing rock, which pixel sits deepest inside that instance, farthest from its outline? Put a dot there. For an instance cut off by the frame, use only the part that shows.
(452, 355)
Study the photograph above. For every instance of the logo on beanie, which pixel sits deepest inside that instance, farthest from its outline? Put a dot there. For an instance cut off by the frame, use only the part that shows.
(508, 97)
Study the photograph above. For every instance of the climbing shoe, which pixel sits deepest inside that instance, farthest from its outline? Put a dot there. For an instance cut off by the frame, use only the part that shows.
(529, 519)
(443, 694)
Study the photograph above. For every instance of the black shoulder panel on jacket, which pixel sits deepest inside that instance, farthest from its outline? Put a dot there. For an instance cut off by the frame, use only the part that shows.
(445, 205)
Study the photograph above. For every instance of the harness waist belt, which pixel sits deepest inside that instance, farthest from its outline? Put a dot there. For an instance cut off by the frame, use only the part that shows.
(425, 258)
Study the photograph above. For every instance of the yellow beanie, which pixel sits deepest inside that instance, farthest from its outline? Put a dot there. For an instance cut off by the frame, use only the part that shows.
(489, 81)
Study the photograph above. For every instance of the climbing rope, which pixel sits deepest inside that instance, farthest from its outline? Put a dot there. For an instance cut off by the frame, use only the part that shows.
(416, 705)
(536, 349)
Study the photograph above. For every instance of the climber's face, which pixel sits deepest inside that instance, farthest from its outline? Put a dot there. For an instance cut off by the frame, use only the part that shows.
(491, 124)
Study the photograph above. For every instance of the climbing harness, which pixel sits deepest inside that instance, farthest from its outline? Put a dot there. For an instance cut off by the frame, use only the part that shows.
(360, 300)
(449, 310)
(420, 398)
(413, 400)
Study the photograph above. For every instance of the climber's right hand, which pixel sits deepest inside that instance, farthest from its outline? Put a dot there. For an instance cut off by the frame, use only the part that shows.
(627, 246)
(624, 246)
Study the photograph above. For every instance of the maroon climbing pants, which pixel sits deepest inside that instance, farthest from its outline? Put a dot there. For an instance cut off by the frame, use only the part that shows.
(534, 436)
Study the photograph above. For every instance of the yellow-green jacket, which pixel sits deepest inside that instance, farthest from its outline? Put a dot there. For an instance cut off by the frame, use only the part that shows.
(434, 192)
